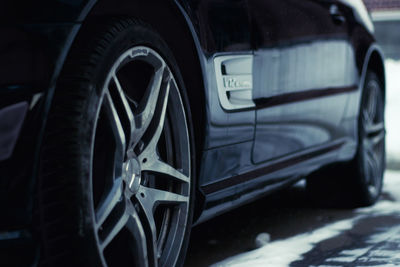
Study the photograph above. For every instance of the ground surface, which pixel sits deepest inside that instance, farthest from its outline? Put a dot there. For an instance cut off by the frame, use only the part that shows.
(304, 235)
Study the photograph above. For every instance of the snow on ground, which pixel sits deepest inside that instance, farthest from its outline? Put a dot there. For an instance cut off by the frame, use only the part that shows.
(392, 184)
(393, 110)
(378, 250)
(283, 252)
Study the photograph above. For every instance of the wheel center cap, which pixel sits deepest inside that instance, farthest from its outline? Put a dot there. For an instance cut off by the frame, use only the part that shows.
(131, 174)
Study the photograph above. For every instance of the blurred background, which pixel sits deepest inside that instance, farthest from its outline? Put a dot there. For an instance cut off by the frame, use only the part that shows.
(386, 17)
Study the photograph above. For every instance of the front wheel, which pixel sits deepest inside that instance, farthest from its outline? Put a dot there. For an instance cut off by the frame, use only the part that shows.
(117, 157)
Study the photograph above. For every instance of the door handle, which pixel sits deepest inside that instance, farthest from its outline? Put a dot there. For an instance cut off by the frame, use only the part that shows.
(336, 14)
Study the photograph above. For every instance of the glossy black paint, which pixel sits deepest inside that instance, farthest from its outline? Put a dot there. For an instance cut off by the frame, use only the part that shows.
(303, 103)
(297, 63)
(309, 61)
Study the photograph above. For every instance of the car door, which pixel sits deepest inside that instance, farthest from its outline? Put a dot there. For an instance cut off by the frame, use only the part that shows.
(303, 67)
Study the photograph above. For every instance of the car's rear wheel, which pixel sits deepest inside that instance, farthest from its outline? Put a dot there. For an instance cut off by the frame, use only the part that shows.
(371, 154)
(359, 182)
(116, 178)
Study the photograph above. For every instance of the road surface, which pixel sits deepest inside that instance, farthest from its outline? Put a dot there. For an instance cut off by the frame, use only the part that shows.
(301, 233)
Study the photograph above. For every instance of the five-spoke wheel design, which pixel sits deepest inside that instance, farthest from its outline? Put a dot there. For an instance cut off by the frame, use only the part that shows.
(141, 169)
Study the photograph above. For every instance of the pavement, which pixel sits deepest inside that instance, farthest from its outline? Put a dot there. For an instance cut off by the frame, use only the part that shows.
(301, 233)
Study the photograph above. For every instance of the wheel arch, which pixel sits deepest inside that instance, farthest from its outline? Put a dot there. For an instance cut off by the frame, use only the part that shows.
(374, 61)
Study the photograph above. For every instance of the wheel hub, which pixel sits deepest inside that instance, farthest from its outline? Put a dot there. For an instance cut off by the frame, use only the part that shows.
(132, 174)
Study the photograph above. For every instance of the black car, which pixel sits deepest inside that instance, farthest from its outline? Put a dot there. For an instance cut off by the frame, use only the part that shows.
(123, 123)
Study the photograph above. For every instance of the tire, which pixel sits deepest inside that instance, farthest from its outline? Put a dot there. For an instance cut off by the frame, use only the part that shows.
(116, 176)
(359, 182)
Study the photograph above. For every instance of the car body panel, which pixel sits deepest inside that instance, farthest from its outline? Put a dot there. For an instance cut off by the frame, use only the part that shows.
(303, 75)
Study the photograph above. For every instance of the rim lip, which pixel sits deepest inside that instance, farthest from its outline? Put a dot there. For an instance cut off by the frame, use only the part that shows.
(118, 64)
(373, 184)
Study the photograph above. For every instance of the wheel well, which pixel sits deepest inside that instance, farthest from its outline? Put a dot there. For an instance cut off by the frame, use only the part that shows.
(171, 24)
(376, 64)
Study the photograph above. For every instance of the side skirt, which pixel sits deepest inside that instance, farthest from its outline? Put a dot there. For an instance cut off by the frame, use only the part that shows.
(224, 195)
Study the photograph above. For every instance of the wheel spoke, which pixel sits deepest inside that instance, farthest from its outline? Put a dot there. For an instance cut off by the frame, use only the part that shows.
(110, 202)
(150, 149)
(376, 140)
(374, 128)
(116, 126)
(371, 105)
(373, 163)
(148, 105)
(151, 197)
(114, 230)
(128, 219)
(373, 159)
(156, 165)
(151, 230)
(135, 227)
(125, 109)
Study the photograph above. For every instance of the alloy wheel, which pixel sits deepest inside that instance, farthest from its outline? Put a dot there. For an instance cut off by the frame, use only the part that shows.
(141, 169)
(373, 137)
